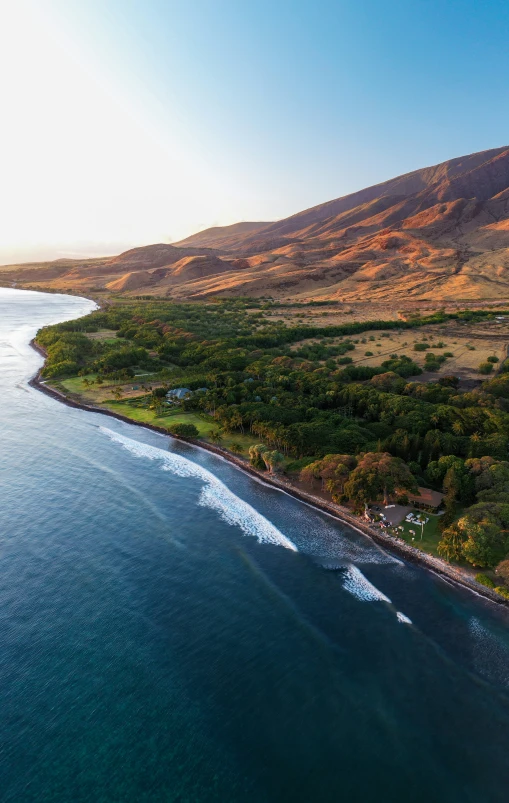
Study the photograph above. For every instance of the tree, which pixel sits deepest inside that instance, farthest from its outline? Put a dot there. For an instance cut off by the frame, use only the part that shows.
(256, 455)
(503, 570)
(377, 475)
(480, 536)
(458, 428)
(333, 470)
(216, 436)
(184, 430)
(236, 447)
(236, 421)
(451, 543)
(272, 460)
(485, 544)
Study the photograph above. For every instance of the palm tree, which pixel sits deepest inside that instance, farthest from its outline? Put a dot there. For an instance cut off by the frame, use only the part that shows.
(216, 436)
(457, 428)
(257, 454)
(236, 447)
(273, 460)
(236, 421)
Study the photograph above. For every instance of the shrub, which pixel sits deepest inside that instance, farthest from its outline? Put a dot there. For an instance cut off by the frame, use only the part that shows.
(421, 346)
(486, 368)
(449, 381)
(503, 570)
(63, 368)
(345, 360)
(368, 353)
(184, 430)
(160, 393)
(504, 592)
(493, 359)
(484, 580)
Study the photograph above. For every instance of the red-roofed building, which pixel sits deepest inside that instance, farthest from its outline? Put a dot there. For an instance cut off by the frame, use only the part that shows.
(426, 498)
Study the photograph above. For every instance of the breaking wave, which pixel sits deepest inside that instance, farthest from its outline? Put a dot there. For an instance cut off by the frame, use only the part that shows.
(358, 585)
(214, 495)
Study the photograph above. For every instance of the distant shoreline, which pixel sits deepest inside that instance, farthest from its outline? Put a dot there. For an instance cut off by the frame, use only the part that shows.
(391, 544)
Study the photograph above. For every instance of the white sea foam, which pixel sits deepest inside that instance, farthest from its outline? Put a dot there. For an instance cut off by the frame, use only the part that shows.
(402, 618)
(358, 585)
(214, 495)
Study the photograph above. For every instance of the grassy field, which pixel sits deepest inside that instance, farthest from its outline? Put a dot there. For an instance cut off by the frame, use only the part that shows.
(97, 394)
(430, 536)
(101, 394)
(205, 424)
(470, 346)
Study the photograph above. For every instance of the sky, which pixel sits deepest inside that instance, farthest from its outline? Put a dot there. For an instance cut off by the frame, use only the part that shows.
(128, 122)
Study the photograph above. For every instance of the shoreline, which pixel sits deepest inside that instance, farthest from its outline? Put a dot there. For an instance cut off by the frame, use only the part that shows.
(395, 546)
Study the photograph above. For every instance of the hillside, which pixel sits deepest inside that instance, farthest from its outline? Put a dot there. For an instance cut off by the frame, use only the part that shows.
(439, 233)
(221, 236)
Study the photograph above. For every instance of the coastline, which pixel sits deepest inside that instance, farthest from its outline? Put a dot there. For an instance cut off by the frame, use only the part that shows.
(395, 546)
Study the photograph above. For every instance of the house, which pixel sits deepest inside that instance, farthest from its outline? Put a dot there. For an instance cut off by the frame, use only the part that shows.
(177, 394)
(426, 499)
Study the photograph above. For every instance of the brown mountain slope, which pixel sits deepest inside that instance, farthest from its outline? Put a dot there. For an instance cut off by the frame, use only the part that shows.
(221, 236)
(411, 184)
(439, 233)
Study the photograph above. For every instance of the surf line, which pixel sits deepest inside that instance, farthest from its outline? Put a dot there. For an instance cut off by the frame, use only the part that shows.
(215, 494)
(359, 586)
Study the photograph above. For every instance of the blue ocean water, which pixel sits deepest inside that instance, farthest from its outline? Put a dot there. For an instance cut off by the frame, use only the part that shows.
(173, 630)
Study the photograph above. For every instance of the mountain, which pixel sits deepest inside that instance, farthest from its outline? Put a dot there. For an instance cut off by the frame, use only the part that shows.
(221, 236)
(438, 233)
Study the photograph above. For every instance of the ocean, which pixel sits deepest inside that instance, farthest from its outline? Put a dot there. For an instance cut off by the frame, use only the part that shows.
(172, 629)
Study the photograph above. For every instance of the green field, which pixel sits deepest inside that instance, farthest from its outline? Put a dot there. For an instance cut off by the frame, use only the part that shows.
(430, 535)
(205, 424)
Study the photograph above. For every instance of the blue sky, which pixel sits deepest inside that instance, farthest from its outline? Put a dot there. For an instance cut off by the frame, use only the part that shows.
(255, 110)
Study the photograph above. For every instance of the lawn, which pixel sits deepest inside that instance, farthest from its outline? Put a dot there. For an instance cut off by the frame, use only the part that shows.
(147, 416)
(430, 535)
(205, 424)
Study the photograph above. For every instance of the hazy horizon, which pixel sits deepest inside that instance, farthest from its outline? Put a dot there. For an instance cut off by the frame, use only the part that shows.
(129, 125)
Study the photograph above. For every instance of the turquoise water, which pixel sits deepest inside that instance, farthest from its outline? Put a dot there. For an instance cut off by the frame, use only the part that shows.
(173, 630)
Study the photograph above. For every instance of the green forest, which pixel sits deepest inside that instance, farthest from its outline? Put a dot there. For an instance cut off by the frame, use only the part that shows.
(366, 433)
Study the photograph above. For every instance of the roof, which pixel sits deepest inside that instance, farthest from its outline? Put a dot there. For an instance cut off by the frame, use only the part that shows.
(178, 393)
(427, 497)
